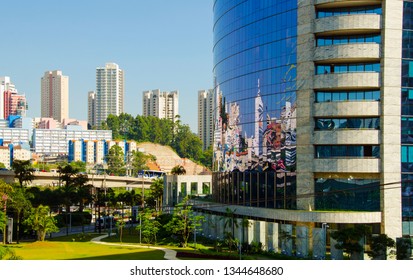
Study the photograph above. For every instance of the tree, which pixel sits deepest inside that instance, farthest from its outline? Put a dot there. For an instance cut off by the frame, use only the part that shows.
(23, 171)
(139, 161)
(20, 202)
(5, 191)
(230, 220)
(149, 226)
(72, 180)
(206, 158)
(8, 254)
(187, 144)
(348, 239)
(157, 192)
(2, 222)
(83, 194)
(178, 170)
(120, 224)
(379, 246)
(41, 221)
(79, 165)
(183, 221)
(115, 160)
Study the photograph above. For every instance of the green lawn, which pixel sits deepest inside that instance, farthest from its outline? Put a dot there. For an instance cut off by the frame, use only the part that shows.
(69, 250)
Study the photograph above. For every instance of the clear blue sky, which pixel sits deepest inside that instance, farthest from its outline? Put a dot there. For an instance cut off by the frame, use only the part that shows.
(165, 44)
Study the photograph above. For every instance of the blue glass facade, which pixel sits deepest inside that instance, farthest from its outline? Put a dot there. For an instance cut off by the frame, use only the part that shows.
(407, 112)
(255, 82)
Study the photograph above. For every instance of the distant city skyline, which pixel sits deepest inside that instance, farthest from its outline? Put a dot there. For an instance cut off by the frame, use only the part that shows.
(159, 44)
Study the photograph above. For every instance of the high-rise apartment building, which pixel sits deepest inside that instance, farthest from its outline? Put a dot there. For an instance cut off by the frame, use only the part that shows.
(5, 85)
(109, 92)
(315, 113)
(13, 103)
(161, 104)
(205, 117)
(55, 95)
(91, 108)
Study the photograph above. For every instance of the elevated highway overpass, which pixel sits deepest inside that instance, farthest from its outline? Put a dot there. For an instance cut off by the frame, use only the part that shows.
(99, 181)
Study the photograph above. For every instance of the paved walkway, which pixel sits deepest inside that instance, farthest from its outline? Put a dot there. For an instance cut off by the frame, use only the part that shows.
(169, 254)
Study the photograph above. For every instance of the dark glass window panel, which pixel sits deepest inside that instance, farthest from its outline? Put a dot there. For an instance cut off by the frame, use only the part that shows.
(323, 151)
(338, 151)
(355, 151)
(354, 123)
(347, 194)
(280, 190)
(376, 151)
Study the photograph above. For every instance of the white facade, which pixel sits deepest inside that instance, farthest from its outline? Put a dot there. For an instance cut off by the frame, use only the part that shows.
(177, 187)
(99, 151)
(206, 107)
(55, 141)
(15, 135)
(5, 156)
(109, 92)
(55, 95)
(163, 105)
(77, 150)
(19, 153)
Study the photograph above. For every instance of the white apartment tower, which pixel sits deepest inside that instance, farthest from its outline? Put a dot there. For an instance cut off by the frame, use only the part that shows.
(163, 105)
(91, 108)
(205, 117)
(109, 92)
(55, 95)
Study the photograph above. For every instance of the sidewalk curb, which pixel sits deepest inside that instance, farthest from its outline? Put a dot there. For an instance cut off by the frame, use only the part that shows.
(169, 254)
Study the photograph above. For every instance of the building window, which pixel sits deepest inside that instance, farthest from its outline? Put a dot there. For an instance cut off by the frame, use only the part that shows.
(407, 158)
(344, 151)
(349, 123)
(194, 188)
(206, 188)
(322, 13)
(328, 96)
(347, 194)
(355, 39)
(347, 68)
(183, 189)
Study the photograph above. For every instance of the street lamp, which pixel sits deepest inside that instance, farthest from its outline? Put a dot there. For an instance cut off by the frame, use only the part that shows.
(143, 189)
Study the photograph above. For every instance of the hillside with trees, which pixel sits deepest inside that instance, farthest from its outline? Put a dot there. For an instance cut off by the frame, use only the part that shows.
(159, 131)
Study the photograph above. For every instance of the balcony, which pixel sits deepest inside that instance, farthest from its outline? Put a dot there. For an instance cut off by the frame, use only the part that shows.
(347, 53)
(359, 23)
(347, 137)
(342, 3)
(347, 165)
(347, 108)
(354, 80)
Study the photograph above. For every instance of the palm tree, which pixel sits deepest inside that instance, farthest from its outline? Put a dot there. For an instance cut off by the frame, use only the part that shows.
(41, 221)
(157, 192)
(72, 181)
(23, 171)
(178, 170)
(20, 202)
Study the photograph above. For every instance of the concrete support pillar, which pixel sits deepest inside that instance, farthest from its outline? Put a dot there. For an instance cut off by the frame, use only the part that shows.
(301, 241)
(272, 237)
(250, 231)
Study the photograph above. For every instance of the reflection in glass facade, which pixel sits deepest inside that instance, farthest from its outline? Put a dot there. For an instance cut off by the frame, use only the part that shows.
(350, 194)
(407, 113)
(255, 84)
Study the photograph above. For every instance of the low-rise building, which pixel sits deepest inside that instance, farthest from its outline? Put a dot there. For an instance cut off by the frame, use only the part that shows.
(177, 187)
